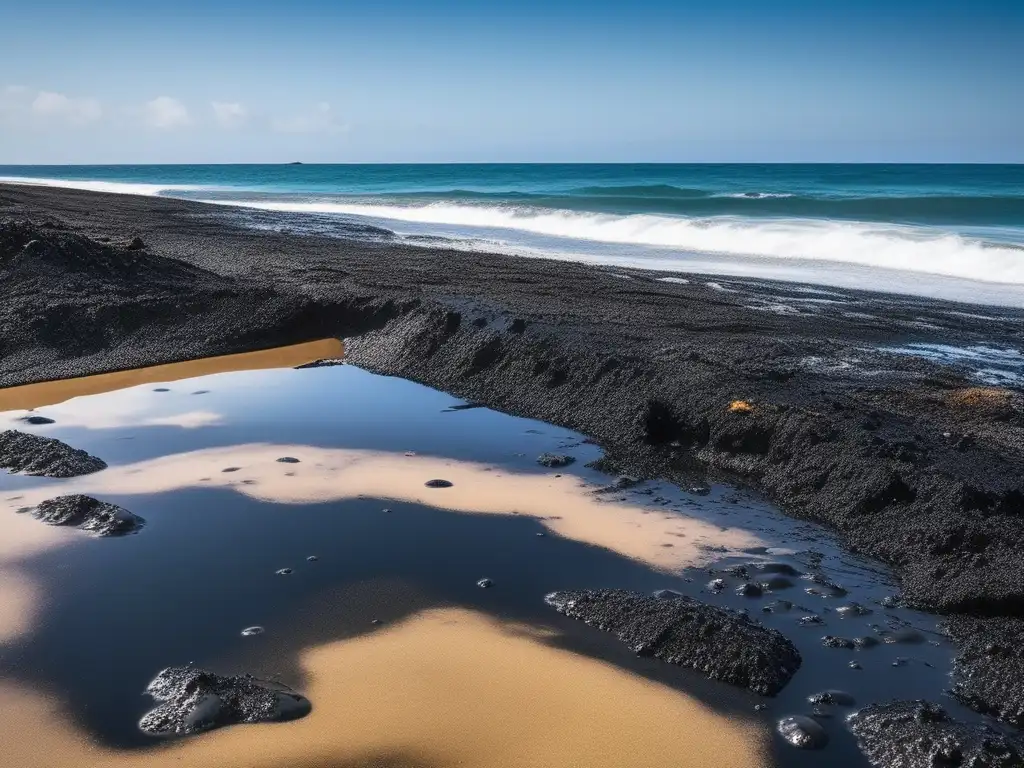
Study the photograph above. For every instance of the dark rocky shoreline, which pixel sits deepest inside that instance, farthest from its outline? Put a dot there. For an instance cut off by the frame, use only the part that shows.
(915, 462)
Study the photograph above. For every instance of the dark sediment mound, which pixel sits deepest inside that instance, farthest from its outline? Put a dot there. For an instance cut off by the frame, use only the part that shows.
(722, 644)
(45, 456)
(919, 734)
(191, 701)
(989, 668)
(89, 514)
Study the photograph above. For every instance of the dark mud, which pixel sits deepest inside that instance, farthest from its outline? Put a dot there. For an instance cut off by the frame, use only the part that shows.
(89, 514)
(915, 460)
(919, 734)
(192, 700)
(44, 456)
(989, 668)
(722, 644)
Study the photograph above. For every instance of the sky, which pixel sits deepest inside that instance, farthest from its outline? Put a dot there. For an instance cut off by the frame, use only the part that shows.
(196, 81)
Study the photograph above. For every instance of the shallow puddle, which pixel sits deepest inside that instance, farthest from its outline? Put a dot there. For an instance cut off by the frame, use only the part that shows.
(365, 581)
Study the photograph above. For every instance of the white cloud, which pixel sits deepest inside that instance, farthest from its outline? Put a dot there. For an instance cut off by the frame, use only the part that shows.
(320, 119)
(56, 105)
(166, 113)
(28, 106)
(229, 114)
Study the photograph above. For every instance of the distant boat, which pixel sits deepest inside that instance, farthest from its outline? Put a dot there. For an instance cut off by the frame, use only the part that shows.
(295, 163)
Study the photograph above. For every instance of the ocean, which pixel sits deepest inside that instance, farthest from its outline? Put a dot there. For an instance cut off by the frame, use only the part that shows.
(948, 231)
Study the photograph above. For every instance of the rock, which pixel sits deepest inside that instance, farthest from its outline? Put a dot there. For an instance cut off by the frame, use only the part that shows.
(810, 621)
(920, 734)
(853, 609)
(89, 514)
(192, 701)
(749, 590)
(721, 644)
(833, 698)
(785, 569)
(554, 460)
(439, 484)
(252, 631)
(700, 490)
(866, 641)
(36, 421)
(776, 583)
(135, 244)
(802, 732)
(288, 460)
(905, 636)
(230, 469)
(716, 585)
(989, 665)
(283, 572)
(485, 583)
(44, 456)
(312, 558)
(831, 641)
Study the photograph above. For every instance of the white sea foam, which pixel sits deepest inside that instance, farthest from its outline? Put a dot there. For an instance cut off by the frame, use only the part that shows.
(113, 187)
(889, 246)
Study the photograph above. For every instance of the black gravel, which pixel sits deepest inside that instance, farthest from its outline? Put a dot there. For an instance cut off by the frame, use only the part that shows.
(45, 456)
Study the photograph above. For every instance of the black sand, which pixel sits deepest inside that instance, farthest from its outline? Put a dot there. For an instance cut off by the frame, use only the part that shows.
(915, 463)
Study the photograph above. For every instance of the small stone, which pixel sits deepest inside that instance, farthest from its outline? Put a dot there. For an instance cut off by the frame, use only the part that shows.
(312, 559)
(485, 583)
(283, 572)
(36, 421)
(749, 590)
(231, 469)
(866, 641)
(541, 535)
(252, 631)
(852, 609)
(833, 698)
(855, 665)
(375, 622)
(288, 460)
(810, 621)
(716, 585)
(700, 490)
(135, 244)
(831, 641)
(802, 732)
(439, 484)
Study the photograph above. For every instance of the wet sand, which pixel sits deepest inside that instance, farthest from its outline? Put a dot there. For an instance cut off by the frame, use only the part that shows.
(563, 505)
(31, 396)
(444, 688)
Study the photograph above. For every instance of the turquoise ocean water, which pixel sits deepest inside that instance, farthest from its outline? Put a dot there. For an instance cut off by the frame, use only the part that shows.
(955, 231)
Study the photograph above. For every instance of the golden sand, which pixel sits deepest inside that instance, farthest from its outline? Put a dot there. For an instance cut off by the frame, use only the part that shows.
(565, 505)
(445, 688)
(50, 392)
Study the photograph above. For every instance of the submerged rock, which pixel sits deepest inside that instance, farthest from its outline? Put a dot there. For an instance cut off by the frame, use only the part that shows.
(44, 456)
(89, 514)
(36, 421)
(919, 734)
(802, 732)
(722, 644)
(555, 460)
(191, 700)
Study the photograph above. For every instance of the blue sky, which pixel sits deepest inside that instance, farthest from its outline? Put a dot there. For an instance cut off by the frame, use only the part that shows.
(112, 81)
